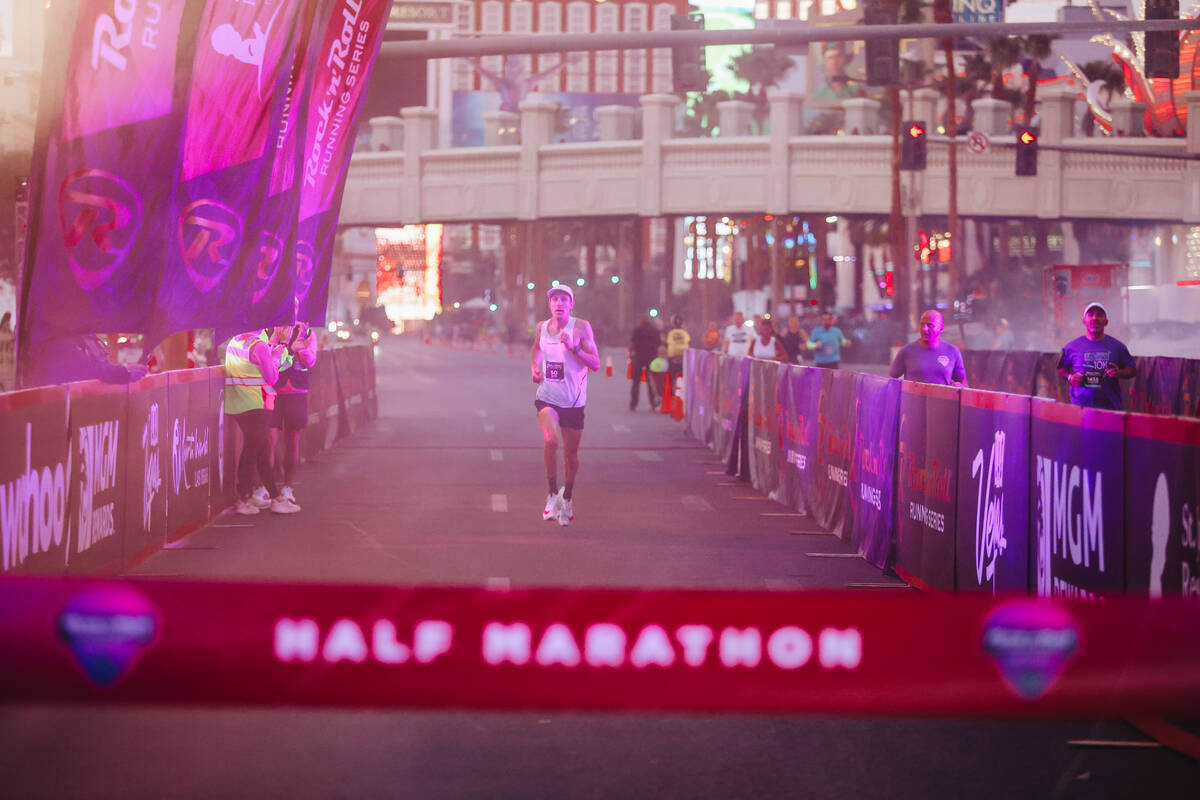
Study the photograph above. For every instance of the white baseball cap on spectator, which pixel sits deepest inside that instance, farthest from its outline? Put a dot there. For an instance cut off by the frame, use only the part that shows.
(1095, 304)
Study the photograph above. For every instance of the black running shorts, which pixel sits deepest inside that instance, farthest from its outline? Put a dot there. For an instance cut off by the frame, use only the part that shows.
(291, 411)
(567, 417)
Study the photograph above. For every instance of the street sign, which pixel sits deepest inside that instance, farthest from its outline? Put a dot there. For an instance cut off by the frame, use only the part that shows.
(978, 142)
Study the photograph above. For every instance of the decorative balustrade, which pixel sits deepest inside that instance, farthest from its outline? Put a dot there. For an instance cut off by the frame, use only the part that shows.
(528, 177)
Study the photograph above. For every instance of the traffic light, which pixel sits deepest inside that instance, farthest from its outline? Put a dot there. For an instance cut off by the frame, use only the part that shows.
(1162, 47)
(912, 144)
(688, 73)
(882, 55)
(1027, 149)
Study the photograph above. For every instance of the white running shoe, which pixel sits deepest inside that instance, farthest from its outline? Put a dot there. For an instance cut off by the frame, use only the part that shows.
(281, 505)
(288, 492)
(566, 512)
(553, 503)
(244, 507)
(260, 498)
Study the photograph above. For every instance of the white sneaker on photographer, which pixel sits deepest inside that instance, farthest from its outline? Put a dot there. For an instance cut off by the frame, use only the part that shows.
(281, 505)
(260, 498)
(244, 507)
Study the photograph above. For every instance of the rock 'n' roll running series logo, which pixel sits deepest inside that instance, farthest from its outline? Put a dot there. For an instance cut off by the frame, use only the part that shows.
(305, 265)
(100, 215)
(270, 254)
(209, 235)
(107, 629)
(1031, 642)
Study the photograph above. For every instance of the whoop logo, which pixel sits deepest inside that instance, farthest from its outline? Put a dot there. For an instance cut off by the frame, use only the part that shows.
(270, 253)
(1031, 643)
(106, 630)
(210, 234)
(305, 268)
(100, 215)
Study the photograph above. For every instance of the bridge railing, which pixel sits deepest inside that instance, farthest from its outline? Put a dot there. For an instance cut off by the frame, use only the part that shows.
(524, 175)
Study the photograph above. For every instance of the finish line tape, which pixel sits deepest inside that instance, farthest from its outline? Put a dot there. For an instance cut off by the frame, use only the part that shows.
(273, 644)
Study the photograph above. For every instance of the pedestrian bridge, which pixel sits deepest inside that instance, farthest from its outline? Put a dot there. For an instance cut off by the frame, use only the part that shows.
(523, 175)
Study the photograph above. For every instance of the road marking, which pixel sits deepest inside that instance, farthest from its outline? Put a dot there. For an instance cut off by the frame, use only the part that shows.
(497, 455)
(619, 427)
(648, 455)
(694, 502)
(833, 555)
(499, 502)
(499, 584)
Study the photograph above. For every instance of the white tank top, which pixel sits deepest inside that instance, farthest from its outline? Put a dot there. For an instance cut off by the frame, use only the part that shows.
(564, 376)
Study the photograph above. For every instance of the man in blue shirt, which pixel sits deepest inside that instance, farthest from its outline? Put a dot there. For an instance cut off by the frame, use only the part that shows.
(1094, 363)
(930, 360)
(827, 343)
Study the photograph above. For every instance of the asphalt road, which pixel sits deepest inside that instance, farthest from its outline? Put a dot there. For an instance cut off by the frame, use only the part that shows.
(447, 487)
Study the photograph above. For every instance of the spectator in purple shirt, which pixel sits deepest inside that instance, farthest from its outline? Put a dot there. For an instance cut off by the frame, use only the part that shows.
(930, 360)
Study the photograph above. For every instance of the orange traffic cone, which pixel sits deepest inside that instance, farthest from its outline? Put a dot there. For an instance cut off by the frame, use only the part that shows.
(677, 408)
(608, 366)
(668, 397)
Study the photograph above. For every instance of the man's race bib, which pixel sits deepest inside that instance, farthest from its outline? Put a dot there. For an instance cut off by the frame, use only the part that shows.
(554, 370)
(1091, 378)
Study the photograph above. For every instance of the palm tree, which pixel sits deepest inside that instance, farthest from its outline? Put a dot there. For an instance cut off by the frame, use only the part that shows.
(762, 68)
(1036, 47)
(1110, 80)
(1003, 52)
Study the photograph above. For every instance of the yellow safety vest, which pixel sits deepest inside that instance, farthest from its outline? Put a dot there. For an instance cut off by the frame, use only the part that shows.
(244, 382)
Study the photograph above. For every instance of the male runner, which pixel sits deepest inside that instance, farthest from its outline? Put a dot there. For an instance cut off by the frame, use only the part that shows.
(564, 349)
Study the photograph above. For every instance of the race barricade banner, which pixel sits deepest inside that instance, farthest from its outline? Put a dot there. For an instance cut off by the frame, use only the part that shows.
(798, 399)
(927, 484)
(1155, 389)
(1046, 380)
(700, 369)
(225, 446)
(1162, 505)
(96, 483)
(1189, 389)
(991, 551)
(369, 389)
(320, 391)
(733, 378)
(35, 467)
(343, 389)
(1077, 500)
(835, 446)
(193, 423)
(873, 468)
(147, 471)
(237, 644)
(763, 421)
